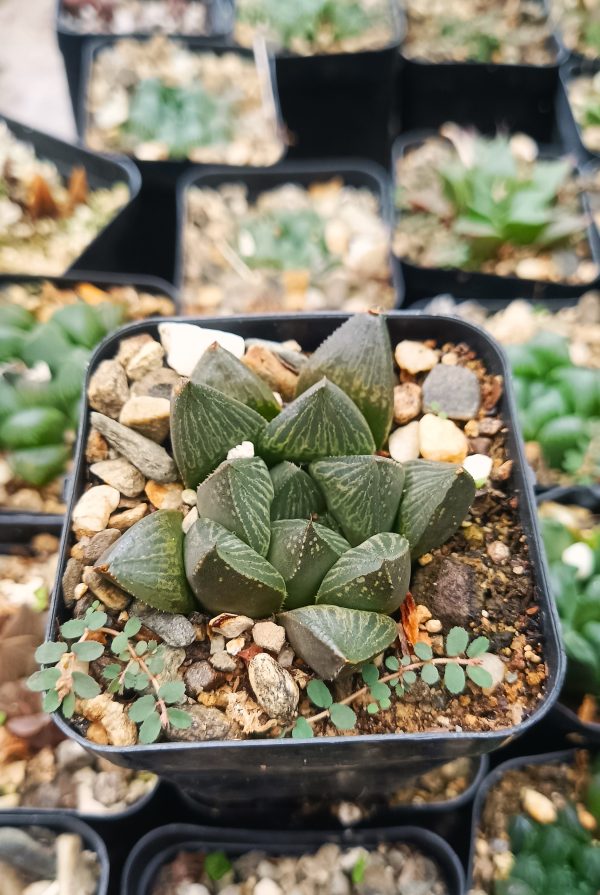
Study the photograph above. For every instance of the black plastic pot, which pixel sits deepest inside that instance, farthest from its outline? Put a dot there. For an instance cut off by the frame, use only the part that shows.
(60, 822)
(102, 173)
(562, 714)
(426, 282)
(162, 845)
(72, 43)
(484, 95)
(315, 813)
(17, 525)
(570, 130)
(342, 767)
(360, 173)
(492, 780)
(163, 174)
(339, 104)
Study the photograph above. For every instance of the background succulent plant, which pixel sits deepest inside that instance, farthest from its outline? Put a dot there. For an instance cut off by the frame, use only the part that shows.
(297, 514)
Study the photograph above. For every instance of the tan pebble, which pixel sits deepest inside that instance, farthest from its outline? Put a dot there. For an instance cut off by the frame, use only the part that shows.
(471, 429)
(108, 389)
(538, 806)
(415, 357)
(96, 733)
(120, 474)
(586, 818)
(433, 626)
(498, 552)
(450, 359)
(147, 415)
(407, 402)
(503, 863)
(423, 613)
(80, 590)
(441, 440)
(92, 510)
(129, 347)
(159, 494)
(146, 359)
(189, 497)
(235, 646)
(123, 521)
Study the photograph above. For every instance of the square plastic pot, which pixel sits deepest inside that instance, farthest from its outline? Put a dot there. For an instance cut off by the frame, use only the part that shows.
(569, 129)
(162, 846)
(20, 525)
(102, 173)
(59, 822)
(163, 174)
(360, 174)
(426, 282)
(492, 780)
(339, 104)
(72, 43)
(478, 94)
(565, 717)
(339, 766)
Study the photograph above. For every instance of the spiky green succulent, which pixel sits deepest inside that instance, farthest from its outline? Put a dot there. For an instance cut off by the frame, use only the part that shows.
(315, 518)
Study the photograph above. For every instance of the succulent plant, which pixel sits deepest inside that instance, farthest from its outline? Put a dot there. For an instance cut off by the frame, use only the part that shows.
(324, 537)
(559, 405)
(556, 857)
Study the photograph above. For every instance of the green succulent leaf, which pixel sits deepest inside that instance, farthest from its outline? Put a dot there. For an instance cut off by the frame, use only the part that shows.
(221, 370)
(319, 694)
(147, 562)
(46, 342)
(342, 716)
(429, 674)
(303, 552)
(85, 686)
(454, 678)
(362, 493)
(479, 676)
(205, 425)
(150, 730)
(357, 357)
(34, 427)
(322, 422)
(302, 730)
(88, 650)
(330, 638)
(238, 496)
(226, 575)
(435, 500)
(216, 865)
(43, 680)
(80, 323)
(456, 641)
(296, 496)
(142, 708)
(39, 465)
(373, 576)
(50, 652)
(179, 719)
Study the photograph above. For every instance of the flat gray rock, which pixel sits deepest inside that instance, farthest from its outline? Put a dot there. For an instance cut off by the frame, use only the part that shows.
(452, 390)
(150, 458)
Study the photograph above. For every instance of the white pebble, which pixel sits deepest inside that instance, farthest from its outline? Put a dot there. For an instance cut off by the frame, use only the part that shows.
(538, 806)
(240, 451)
(581, 556)
(185, 343)
(479, 466)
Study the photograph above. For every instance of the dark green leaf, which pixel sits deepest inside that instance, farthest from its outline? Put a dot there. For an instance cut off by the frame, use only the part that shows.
(296, 496)
(216, 865)
(222, 371)
(303, 552)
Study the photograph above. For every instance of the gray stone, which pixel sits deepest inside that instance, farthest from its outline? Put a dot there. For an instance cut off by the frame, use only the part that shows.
(448, 588)
(452, 390)
(175, 630)
(151, 459)
(207, 724)
(71, 578)
(147, 415)
(275, 689)
(110, 787)
(108, 389)
(158, 384)
(120, 474)
(70, 756)
(99, 544)
(173, 660)
(222, 661)
(24, 853)
(201, 676)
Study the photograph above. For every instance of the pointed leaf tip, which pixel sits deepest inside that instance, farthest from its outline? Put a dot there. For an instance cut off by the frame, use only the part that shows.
(358, 358)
